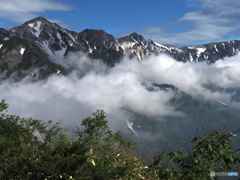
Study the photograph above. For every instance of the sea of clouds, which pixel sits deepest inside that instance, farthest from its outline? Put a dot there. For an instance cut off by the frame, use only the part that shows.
(118, 90)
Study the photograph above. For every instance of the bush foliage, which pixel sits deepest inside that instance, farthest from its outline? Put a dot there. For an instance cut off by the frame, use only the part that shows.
(33, 149)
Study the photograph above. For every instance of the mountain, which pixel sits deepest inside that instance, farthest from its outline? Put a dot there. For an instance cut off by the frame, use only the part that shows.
(169, 132)
(52, 38)
(19, 58)
(35, 48)
(59, 42)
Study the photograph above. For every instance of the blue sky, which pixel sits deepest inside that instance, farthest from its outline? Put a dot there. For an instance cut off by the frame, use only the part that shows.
(177, 22)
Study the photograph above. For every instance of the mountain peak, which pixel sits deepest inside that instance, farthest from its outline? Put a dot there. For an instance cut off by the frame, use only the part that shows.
(134, 34)
(39, 18)
(94, 32)
(58, 42)
(96, 36)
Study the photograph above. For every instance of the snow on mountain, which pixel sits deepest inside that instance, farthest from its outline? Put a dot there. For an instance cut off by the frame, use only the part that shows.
(59, 42)
(22, 50)
(130, 126)
(6, 39)
(49, 36)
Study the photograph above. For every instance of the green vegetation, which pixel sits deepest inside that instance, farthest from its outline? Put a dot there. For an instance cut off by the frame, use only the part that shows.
(34, 58)
(33, 149)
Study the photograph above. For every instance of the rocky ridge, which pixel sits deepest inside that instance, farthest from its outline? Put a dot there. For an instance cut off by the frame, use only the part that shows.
(57, 42)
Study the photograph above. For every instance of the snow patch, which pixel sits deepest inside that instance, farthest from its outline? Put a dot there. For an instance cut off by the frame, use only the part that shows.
(37, 28)
(176, 49)
(117, 48)
(215, 46)
(59, 37)
(191, 58)
(90, 50)
(200, 50)
(127, 45)
(223, 103)
(129, 125)
(70, 35)
(1, 46)
(223, 45)
(6, 39)
(22, 50)
(31, 25)
(171, 49)
(160, 45)
(89, 47)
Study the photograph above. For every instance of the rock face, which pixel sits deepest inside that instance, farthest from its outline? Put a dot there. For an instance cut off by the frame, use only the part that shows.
(19, 58)
(49, 36)
(4, 34)
(57, 42)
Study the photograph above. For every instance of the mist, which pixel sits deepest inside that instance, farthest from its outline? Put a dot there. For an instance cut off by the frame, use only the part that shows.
(119, 90)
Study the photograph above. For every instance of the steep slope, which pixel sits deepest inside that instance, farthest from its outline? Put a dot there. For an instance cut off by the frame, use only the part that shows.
(173, 132)
(99, 45)
(52, 38)
(19, 58)
(141, 48)
(211, 52)
(59, 42)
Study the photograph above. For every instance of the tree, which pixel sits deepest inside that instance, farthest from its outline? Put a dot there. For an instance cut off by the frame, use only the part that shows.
(48, 155)
(33, 149)
(211, 152)
(94, 129)
(110, 155)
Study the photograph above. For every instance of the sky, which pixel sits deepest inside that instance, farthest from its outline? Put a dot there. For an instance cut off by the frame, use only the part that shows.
(176, 22)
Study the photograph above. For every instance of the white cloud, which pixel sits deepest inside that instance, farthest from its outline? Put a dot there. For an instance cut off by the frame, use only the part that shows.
(21, 11)
(214, 21)
(191, 78)
(115, 90)
(71, 99)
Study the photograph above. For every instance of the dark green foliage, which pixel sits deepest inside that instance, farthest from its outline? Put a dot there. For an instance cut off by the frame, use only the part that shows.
(26, 156)
(33, 149)
(98, 153)
(211, 152)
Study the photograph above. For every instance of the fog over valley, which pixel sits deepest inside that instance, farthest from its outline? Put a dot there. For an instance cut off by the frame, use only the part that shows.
(120, 90)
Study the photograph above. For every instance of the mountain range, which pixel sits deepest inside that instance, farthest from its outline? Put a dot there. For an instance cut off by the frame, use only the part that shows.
(36, 48)
(38, 43)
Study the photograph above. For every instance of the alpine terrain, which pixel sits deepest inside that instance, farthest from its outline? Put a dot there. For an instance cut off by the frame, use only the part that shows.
(39, 48)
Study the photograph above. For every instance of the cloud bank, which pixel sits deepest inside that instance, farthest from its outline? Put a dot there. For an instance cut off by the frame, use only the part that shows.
(119, 91)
